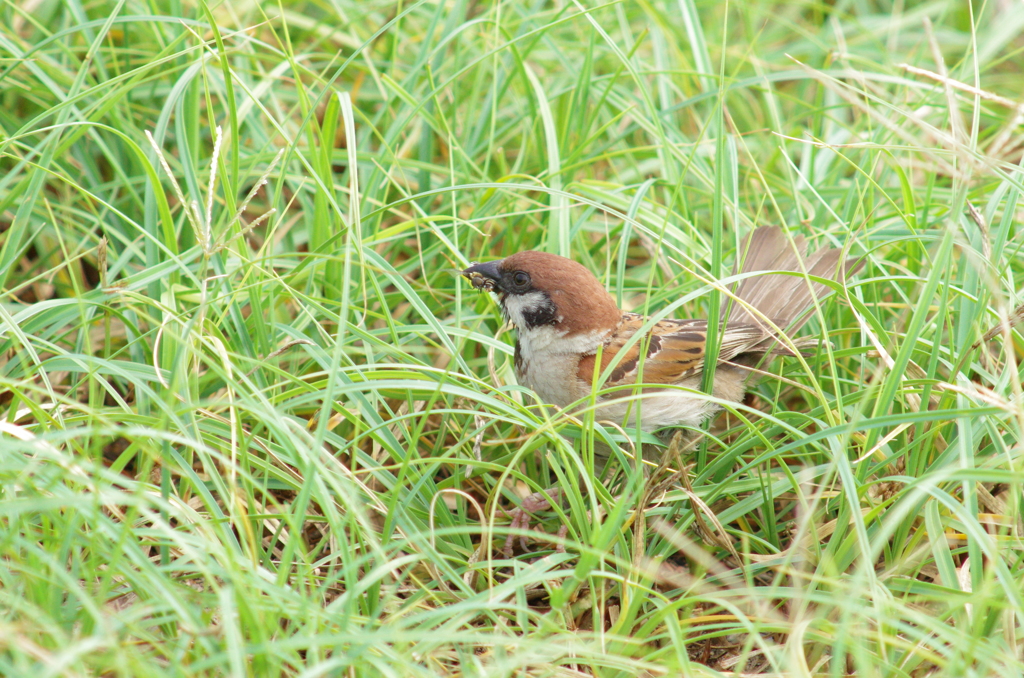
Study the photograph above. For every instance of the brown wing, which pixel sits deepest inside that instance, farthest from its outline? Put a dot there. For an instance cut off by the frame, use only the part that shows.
(673, 350)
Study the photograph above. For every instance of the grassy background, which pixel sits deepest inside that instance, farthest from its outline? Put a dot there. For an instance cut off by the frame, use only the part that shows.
(253, 425)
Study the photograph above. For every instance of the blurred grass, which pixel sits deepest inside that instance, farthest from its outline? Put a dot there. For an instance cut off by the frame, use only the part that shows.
(261, 429)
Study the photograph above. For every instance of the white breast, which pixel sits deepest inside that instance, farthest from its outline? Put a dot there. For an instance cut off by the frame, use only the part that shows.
(548, 359)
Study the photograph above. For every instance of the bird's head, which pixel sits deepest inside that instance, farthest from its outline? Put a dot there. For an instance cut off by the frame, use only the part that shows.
(537, 289)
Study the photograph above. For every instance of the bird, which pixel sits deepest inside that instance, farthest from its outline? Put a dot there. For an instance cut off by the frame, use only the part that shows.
(570, 332)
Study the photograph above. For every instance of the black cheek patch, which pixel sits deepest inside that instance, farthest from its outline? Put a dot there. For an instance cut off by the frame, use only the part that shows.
(544, 314)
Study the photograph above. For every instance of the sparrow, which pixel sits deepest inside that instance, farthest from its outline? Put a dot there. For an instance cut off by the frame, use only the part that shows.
(570, 331)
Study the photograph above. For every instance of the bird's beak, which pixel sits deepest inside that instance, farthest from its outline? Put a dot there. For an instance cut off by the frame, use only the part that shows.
(483, 276)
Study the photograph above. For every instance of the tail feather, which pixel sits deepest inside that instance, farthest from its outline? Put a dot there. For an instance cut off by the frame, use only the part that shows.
(783, 299)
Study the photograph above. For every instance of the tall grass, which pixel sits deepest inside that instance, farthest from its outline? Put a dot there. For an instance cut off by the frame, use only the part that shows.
(253, 425)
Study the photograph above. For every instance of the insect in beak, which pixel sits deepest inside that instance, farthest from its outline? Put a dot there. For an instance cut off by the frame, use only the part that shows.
(483, 276)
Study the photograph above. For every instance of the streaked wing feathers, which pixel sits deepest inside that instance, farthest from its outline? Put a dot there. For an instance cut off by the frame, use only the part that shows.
(675, 350)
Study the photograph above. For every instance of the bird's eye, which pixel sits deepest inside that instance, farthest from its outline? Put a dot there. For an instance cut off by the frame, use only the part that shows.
(520, 279)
